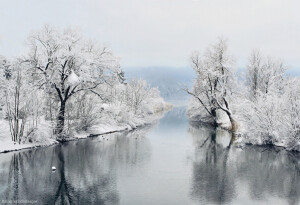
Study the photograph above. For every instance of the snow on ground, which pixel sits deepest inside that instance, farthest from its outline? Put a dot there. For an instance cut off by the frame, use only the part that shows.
(130, 125)
(8, 145)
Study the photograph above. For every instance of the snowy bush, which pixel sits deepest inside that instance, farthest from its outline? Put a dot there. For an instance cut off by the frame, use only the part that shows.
(41, 134)
(273, 118)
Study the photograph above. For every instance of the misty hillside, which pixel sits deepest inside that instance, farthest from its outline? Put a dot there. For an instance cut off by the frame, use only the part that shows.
(170, 81)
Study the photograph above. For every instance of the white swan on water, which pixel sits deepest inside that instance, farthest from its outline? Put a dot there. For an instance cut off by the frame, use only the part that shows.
(53, 168)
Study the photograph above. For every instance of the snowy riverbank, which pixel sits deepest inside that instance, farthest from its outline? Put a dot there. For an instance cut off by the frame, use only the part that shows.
(283, 143)
(7, 145)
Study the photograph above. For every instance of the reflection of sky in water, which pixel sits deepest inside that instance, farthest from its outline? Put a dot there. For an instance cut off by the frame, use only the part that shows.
(171, 162)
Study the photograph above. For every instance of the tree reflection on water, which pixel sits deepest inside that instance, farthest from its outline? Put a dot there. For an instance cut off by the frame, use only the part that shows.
(221, 171)
(101, 170)
(213, 179)
(86, 170)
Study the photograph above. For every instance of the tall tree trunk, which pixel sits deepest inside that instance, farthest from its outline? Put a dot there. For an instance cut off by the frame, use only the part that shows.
(234, 125)
(61, 119)
(214, 116)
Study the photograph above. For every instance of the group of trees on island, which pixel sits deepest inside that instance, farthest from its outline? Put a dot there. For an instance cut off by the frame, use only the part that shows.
(65, 83)
(262, 104)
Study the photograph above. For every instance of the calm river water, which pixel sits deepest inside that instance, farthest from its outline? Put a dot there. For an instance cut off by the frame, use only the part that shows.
(171, 162)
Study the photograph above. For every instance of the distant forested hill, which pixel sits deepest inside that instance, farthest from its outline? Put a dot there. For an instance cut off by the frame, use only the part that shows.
(169, 80)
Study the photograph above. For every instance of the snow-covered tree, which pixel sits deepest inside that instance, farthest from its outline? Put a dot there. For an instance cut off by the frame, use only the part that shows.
(16, 96)
(137, 92)
(5, 67)
(64, 63)
(254, 68)
(264, 75)
(214, 84)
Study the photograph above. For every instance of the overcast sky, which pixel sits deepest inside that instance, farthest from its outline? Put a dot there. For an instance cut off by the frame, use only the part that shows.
(162, 32)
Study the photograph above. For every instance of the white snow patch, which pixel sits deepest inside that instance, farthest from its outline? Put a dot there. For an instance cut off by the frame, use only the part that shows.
(73, 78)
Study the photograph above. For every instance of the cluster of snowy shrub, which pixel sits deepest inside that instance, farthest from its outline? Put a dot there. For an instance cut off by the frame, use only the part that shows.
(65, 84)
(262, 105)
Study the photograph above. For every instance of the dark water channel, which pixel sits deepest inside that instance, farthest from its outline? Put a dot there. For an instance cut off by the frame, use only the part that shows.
(171, 162)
